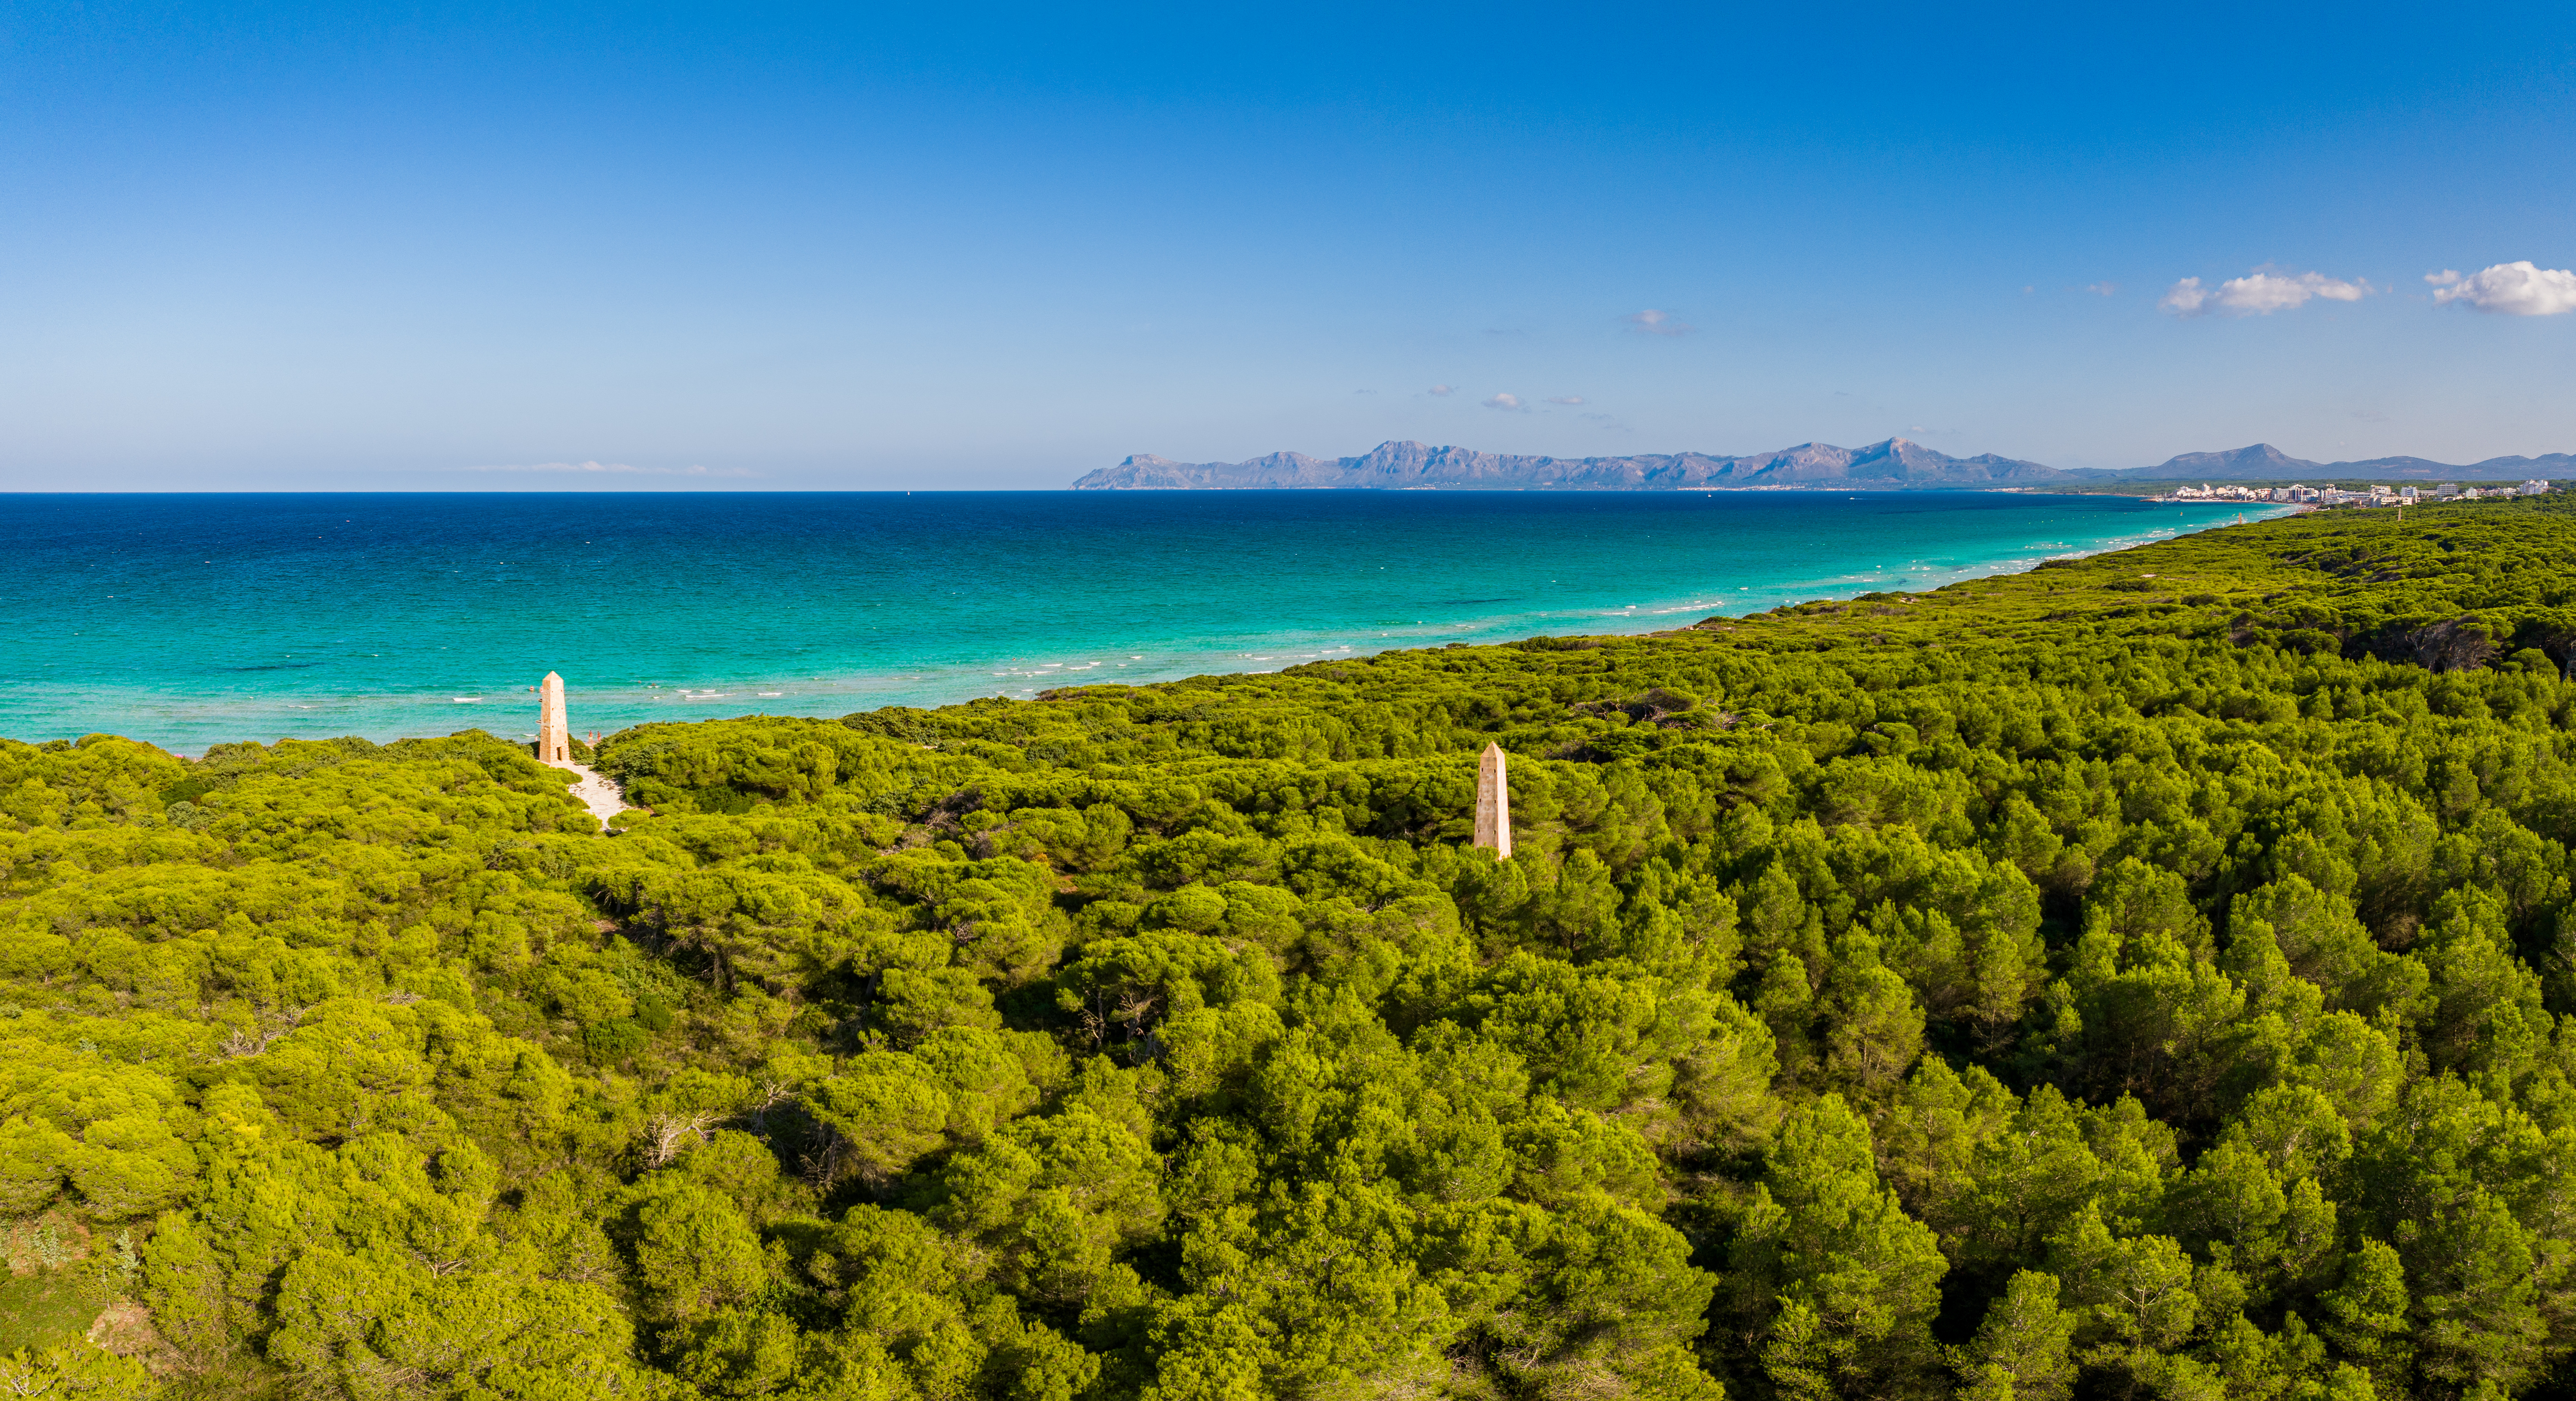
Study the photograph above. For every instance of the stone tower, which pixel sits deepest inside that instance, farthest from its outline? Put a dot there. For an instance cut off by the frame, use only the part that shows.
(554, 736)
(1493, 804)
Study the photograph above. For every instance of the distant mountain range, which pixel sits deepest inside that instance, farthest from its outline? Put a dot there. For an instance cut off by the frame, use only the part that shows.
(1896, 464)
(2266, 463)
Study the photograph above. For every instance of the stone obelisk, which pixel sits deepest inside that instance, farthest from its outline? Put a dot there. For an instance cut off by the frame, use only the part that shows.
(1493, 804)
(554, 736)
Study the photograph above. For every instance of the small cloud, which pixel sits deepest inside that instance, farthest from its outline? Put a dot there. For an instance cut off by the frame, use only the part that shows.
(1567, 399)
(2027, 289)
(2103, 289)
(1607, 423)
(615, 469)
(2184, 298)
(2509, 289)
(1444, 389)
(1363, 391)
(2259, 293)
(1651, 322)
(2370, 415)
(1505, 402)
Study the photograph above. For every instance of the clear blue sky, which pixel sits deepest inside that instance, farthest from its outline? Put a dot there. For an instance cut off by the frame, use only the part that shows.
(940, 246)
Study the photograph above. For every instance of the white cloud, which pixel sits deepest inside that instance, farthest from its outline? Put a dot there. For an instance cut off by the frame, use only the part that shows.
(2184, 298)
(1567, 399)
(1656, 323)
(2103, 289)
(2512, 289)
(1505, 402)
(1444, 389)
(615, 469)
(2259, 293)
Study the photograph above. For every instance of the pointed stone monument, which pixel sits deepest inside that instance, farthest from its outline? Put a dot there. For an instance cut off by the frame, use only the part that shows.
(1493, 804)
(554, 736)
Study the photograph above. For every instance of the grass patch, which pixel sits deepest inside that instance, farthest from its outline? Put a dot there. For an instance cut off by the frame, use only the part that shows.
(48, 1308)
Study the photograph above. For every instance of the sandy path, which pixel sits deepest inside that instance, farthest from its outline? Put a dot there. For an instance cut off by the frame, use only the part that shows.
(596, 792)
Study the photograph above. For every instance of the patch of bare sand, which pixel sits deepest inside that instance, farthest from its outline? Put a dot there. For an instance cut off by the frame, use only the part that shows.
(125, 1328)
(596, 792)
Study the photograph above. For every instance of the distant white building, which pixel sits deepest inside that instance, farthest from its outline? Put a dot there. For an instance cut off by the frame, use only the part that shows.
(2535, 488)
(2206, 492)
(2447, 489)
(2292, 492)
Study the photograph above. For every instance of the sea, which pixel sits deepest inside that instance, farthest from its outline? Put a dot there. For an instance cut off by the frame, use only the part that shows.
(192, 620)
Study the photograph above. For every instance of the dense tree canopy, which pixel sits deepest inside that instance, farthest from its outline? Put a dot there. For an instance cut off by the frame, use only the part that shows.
(2146, 975)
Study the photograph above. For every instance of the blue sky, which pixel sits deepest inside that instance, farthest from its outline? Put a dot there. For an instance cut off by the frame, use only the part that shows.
(460, 247)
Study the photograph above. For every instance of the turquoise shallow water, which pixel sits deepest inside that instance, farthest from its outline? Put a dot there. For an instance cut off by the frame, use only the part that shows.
(190, 620)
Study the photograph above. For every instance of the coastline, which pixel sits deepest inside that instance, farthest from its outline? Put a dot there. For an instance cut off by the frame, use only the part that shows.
(1138, 587)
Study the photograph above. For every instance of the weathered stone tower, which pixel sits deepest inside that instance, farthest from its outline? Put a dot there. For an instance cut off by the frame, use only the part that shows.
(554, 736)
(1493, 804)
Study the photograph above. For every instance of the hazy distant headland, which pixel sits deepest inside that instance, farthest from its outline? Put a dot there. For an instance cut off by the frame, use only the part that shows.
(1896, 464)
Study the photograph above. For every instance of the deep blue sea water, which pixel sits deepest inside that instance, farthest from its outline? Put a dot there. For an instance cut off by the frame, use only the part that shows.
(192, 619)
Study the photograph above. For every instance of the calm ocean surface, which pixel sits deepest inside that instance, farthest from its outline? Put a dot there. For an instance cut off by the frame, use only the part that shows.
(190, 620)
